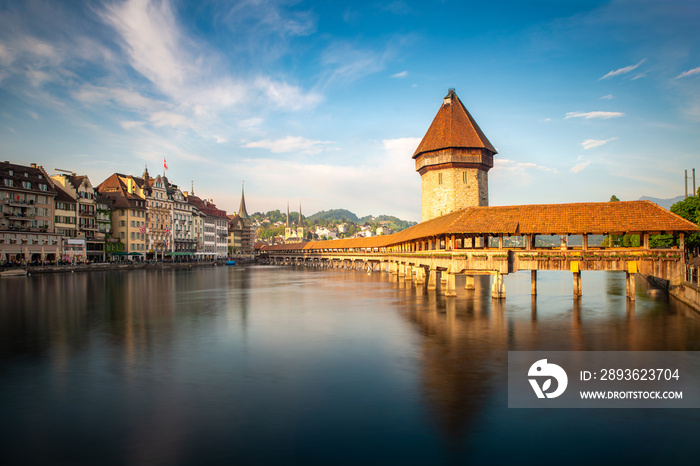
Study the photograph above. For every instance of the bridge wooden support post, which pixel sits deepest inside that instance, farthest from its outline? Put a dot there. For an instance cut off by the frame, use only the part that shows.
(443, 279)
(392, 268)
(498, 289)
(402, 270)
(432, 278)
(533, 282)
(469, 285)
(451, 289)
(631, 285)
(577, 284)
(409, 273)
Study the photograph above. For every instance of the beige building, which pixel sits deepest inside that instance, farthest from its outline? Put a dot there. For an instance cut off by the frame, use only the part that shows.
(27, 215)
(453, 160)
(128, 212)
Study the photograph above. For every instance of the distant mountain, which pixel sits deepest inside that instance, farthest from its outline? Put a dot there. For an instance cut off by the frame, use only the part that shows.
(333, 214)
(665, 203)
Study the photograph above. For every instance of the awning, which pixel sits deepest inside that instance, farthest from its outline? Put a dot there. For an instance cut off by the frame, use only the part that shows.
(179, 253)
(120, 253)
(135, 254)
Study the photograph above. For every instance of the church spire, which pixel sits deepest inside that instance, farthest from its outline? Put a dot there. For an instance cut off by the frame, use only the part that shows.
(145, 173)
(242, 212)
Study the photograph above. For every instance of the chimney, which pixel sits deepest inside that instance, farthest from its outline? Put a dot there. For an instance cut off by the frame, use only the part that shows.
(33, 165)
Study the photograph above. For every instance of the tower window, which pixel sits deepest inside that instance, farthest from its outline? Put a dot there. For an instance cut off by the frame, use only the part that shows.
(464, 177)
(439, 178)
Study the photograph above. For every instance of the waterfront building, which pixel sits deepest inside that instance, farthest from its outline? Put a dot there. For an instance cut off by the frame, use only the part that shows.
(453, 160)
(65, 224)
(88, 242)
(182, 230)
(128, 212)
(211, 225)
(27, 214)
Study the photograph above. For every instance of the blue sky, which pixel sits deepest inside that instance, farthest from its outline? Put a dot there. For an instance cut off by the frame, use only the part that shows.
(323, 102)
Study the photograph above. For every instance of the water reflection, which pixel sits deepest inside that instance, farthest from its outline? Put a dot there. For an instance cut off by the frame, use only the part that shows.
(218, 364)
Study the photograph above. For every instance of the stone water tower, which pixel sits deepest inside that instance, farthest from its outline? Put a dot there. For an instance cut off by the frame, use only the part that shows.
(453, 160)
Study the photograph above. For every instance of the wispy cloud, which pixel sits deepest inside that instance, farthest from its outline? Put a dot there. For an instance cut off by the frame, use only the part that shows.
(625, 70)
(402, 74)
(511, 165)
(592, 143)
(580, 165)
(290, 144)
(692, 72)
(590, 115)
(607, 97)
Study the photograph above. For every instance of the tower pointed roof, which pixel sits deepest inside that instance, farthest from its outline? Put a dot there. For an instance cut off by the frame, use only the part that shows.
(453, 126)
(242, 212)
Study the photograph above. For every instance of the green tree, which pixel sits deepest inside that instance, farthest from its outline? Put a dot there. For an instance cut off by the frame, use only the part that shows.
(689, 209)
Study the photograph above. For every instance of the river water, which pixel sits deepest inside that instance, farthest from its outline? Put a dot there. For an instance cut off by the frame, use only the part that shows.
(282, 365)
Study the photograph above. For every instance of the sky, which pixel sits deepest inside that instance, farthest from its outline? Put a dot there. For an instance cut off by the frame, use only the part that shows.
(323, 103)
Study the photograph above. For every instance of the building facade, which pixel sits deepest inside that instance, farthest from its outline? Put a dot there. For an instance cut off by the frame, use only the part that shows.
(27, 215)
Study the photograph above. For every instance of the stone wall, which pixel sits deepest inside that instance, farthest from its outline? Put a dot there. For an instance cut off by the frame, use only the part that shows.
(447, 190)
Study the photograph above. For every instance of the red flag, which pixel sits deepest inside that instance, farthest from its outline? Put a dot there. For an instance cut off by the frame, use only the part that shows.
(165, 164)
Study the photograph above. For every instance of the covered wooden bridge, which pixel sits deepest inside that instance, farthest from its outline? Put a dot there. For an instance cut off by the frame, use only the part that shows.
(504, 239)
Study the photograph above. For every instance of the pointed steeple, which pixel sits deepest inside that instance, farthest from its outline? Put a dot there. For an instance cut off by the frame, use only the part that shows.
(287, 214)
(145, 173)
(241, 210)
(299, 213)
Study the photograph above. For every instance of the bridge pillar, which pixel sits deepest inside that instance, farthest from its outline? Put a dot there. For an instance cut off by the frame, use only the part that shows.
(420, 276)
(577, 284)
(402, 269)
(533, 282)
(392, 268)
(498, 289)
(443, 279)
(409, 273)
(631, 285)
(469, 285)
(432, 278)
(451, 289)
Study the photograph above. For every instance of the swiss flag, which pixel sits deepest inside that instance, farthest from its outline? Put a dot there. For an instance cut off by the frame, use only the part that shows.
(165, 164)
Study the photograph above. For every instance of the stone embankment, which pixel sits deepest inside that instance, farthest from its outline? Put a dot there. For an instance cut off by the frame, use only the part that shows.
(112, 266)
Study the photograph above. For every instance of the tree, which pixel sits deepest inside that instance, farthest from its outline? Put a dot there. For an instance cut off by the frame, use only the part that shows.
(689, 209)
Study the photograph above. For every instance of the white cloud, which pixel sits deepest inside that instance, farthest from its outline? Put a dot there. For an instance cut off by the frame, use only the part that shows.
(286, 96)
(598, 114)
(402, 74)
(546, 120)
(692, 72)
(592, 143)
(127, 125)
(624, 70)
(290, 144)
(607, 97)
(512, 166)
(580, 166)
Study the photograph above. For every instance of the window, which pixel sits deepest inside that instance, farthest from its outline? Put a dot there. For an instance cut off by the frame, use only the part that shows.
(465, 175)
(439, 178)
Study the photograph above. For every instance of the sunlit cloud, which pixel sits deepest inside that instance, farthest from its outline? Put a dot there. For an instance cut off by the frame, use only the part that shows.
(580, 166)
(511, 165)
(625, 70)
(290, 144)
(402, 74)
(592, 143)
(591, 115)
(692, 72)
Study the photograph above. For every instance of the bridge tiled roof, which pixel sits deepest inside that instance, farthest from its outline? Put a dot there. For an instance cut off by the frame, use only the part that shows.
(543, 219)
(453, 126)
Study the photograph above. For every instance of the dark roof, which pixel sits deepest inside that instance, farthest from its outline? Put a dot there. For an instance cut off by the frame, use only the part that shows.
(35, 176)
(453, 127)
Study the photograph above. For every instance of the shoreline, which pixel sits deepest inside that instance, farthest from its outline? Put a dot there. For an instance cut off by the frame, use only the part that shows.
(108, 266)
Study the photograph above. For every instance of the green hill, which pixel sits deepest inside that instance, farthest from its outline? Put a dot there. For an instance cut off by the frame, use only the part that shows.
(333, 214)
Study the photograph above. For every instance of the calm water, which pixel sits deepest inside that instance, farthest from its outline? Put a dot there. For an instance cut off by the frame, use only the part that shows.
(267, 365)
